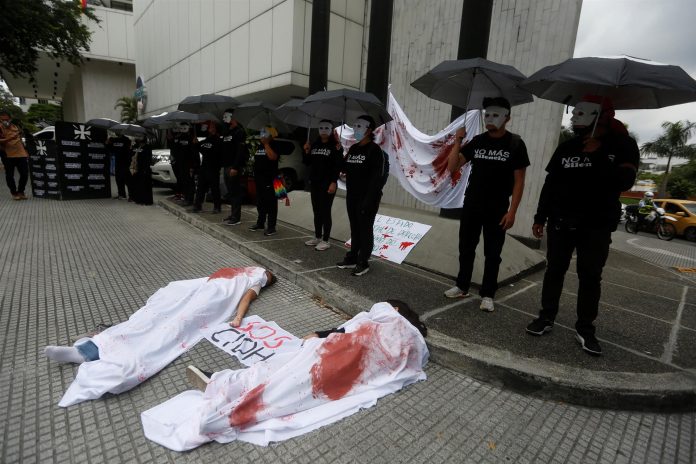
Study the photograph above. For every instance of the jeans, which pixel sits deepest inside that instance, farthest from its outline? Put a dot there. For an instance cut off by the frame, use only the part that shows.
(22, 166)
(88, 350)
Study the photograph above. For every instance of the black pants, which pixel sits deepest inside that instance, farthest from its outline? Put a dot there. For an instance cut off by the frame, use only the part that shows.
(234, 192)
(188, 184)
(266, 203)
(208, 179)
(362, 237)
(122, 175)
(22, 166)
(473, 221)
(141, 192)
(592, 247)
(321, 205)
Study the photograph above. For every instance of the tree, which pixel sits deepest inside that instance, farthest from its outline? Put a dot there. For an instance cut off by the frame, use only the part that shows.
(129, 109)
(682, 182)
(7, 103)
(672, 144)
(566, 134)
(44, 114)
(31, 26)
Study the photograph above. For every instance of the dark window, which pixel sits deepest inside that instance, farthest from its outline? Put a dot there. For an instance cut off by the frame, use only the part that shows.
(673, 208)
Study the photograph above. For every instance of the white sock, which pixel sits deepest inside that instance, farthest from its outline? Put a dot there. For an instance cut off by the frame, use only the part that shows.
(64, 354)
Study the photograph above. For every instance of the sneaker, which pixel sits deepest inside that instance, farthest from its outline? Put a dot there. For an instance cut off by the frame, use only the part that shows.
(321, 246)
(313, 242)
(15, 197)
(456, 292)
(256, 227)
(360, 269)
(22, 196)
(487, 304)
(197, 378)
(589, 343)
(346, 264)
(269, 232)
(539, 326)
(232, 222)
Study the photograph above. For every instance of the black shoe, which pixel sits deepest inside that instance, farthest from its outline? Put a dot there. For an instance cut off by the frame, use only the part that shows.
(231, 222)
(360, 269)
(256, 227)
(269, 232)
(346, 264)
(539, 326)
(589, 344)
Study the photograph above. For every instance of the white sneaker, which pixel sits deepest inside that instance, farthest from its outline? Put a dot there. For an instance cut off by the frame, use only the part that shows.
(487, 304)
(456, 292)
(321, 246)
(313, 242)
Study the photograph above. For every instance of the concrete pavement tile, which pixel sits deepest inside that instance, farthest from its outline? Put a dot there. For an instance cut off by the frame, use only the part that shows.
(688, 317)
(685, 349)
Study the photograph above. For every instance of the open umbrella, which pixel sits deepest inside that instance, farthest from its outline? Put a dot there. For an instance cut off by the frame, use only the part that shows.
(129, 129)
(257, 114)
(465, 83)
(345, 105)
(630, 83)
(207, 103)
(103, 123)
(172, 119)
(290, 113)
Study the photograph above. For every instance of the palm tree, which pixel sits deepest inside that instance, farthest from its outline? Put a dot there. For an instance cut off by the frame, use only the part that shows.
(129, 109)
(672, 144)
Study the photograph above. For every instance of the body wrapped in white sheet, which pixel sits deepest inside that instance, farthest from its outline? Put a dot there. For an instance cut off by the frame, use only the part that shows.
(170, 323)
(295, 393)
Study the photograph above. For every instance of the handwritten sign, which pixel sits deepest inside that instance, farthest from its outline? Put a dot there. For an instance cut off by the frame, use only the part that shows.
(395, 238)
(253, 341)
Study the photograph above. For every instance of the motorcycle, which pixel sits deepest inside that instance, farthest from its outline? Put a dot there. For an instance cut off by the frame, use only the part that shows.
(655, 222)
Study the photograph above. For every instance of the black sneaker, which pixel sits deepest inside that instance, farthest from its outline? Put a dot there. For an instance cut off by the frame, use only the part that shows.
(360, 269)
(269, 232)
(346, 264)
(539, 326)
(589, 344)
(231, 222)
(256, 227)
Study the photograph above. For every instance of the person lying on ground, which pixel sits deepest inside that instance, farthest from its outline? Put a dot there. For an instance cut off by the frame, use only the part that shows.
(171, 322)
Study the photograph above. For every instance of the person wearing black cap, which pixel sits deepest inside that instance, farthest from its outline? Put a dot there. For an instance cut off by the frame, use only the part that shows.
(234, 157)
(606, 159)
(364, 169)
(498, 163)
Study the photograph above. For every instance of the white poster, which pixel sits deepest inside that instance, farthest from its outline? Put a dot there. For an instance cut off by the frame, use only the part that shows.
(253, 341)
(395, 238)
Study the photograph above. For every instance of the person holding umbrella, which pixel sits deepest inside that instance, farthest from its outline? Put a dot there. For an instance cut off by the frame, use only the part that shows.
(209, 175)
(141, 170)
(265, 171)
(119, 147)
(593, 168)
(234, 157)
(324, 159)
(188, 161)
(499, 160)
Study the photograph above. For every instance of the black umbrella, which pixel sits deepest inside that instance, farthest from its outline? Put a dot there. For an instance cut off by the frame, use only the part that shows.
(290, 113)
(345, 105)
(207, 103)
(257, 114)
(129, 129)
(103, 123)
(465, 83)
(172, 119)
(630, 83)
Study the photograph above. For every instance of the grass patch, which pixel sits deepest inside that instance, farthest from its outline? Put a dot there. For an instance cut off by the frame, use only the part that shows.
(629, 200)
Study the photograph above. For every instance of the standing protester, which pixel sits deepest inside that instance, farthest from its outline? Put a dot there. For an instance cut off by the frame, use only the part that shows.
(364, 168)
(188, 161)
(607, 161)
(142, 177)
(15, 156)
(209, 175)
(324, 160)
(119, 148)
(234, 158)
(265, 171)
(498, 163)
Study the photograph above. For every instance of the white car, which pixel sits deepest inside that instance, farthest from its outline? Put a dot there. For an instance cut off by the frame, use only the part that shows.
(162, 171)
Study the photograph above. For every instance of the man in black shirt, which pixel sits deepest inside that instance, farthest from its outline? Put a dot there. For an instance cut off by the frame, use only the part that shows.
(579, 204)
(498, 162)
(187, 161)
(119, 148)
(234, 158)
(265, 171)
(209, 176)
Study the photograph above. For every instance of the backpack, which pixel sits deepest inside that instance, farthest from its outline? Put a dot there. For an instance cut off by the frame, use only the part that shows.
(385, 168)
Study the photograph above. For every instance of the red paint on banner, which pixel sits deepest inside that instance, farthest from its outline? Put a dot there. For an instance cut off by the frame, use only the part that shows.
(397, 141)
(342, 360)
(405, 245)
(384, 247)
(228, 273)
(440, 163)
(386, 235)
(244, 414)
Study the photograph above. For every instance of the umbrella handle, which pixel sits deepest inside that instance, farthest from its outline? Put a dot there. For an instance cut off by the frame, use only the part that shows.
(594, 126)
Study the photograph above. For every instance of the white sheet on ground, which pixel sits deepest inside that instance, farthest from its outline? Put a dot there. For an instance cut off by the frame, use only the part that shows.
(295, 393)
(171, 322)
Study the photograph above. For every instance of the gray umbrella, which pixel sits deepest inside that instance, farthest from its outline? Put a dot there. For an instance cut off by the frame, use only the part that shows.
(465, 83)
(103, 123)
(290, 113)
(257, 114)
(172, 119)
(345, 105)
(630, 83)
(207, 103)
(129, 129)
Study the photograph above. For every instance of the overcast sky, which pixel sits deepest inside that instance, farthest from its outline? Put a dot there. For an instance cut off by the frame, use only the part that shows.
(658, 30)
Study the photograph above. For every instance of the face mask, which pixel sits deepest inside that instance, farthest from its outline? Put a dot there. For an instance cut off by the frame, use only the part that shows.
(360, 128)
(6, 123)
(204, 127)
(183, 128)
(495, 116)
(264, 134)
(325, 130)
(227, 118)
(584, 114)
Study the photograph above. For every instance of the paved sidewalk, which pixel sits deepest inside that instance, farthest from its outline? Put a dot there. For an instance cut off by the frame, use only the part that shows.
(66, 266)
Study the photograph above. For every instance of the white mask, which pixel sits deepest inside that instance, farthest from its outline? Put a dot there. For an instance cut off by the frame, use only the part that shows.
(227, 118)
(360, 127)
(584, 114)
(6, 123)
(495, 116)
(204, 127)
(325, 129)
(264, 134)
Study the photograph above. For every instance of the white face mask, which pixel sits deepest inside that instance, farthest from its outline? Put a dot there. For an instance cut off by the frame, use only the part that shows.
(6, 123)
(204, 127)
(360, 127)
(585, 113)
(325, 129)
(264, 134)
(227, 118)
(495, 116)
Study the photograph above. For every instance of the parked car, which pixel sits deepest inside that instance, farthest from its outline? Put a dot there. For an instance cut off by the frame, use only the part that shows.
(293, 170)
(162, 172)
(47, 133)
(684, 211)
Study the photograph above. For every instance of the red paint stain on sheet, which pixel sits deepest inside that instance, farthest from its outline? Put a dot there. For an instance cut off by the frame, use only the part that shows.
(397, 138)
(405, 245)
(228, 273)
(342, 360)
(440, 163)
(244, 414)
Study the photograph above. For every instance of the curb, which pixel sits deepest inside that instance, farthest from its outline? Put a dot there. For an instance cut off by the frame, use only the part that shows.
(670, 392)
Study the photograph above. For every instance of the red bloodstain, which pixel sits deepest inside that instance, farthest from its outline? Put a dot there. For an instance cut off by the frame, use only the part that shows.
(227, 273)
(397, 141)
(244, 414)
(386, 235)
(342, 360)
(405, 245)
(384, 247)
(440, 163)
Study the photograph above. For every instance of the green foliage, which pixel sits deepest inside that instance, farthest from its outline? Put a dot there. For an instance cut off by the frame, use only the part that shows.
(682, 182)
(44, 114)
(646, 175)
(30, 26)
(565, 135)
(672, 144)
(129, 109)
(629, 200)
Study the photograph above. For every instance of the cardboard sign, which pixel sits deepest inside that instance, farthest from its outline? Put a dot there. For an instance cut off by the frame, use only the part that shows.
(395, 238)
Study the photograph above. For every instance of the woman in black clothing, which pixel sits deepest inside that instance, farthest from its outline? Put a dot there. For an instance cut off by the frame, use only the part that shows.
(142, 178)
(324, 159)
(265, 171)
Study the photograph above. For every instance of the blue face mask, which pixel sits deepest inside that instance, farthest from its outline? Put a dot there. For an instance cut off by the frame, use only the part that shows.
(359, 134)
(360, 129)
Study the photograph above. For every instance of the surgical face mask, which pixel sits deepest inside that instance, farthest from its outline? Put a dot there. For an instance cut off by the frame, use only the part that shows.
(495, 116)
(360, 128)
(204, 127)
(325, 129)
(264, 134)
(227, 118)
(584, 114)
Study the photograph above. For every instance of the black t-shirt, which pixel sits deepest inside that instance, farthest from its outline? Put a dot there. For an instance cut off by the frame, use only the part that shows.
(583, 189)
(210, 149)
(264, 167)
(324, 161)
(234, 151)
(143, 152)
(120, 149)
(493, 165)
(363, 166)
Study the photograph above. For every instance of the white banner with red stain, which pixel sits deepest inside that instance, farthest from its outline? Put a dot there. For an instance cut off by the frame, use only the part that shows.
(395, 238)
(253, 341)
